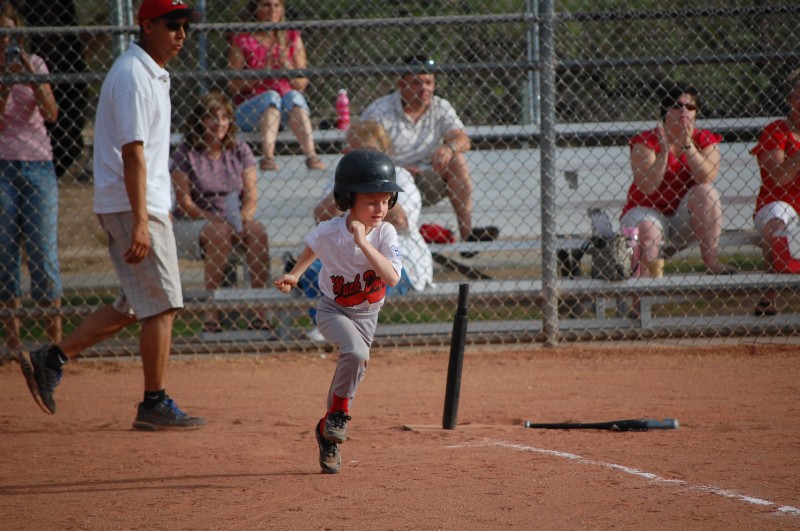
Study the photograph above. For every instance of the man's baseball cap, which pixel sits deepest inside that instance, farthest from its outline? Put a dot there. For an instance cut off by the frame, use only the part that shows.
(419, 64)
(167, 9)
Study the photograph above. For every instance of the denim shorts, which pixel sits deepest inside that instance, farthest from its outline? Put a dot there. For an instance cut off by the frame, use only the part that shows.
(249, 112)
(29, 213)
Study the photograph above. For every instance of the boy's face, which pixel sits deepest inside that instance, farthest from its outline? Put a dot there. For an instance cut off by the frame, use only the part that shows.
(370, 209)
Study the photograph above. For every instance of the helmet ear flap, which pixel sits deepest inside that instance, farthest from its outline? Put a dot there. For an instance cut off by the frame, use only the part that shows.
(393, 199)
(343, 199)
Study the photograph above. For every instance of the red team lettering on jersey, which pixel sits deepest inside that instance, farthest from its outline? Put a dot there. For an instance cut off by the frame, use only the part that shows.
(353, 293)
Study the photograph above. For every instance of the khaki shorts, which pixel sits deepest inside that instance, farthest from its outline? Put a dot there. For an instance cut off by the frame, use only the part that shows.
(677, 228)
(153, 286)
(431, 186)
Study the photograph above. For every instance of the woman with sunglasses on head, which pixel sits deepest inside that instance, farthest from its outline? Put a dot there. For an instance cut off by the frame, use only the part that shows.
(672, 196)
(263, 104)
(214, 175)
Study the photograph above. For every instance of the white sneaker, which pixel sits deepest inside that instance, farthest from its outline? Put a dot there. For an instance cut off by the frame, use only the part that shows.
(315, 335)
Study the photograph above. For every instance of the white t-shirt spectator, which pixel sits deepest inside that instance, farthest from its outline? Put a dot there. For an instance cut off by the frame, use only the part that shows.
(413, 143)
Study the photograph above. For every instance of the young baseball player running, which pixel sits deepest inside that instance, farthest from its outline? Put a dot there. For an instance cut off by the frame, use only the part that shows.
(360, 255)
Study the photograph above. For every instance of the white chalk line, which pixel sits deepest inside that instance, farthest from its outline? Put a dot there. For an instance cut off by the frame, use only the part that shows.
(709, 489)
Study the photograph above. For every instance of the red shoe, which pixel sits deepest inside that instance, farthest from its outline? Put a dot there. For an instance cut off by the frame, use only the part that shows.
(436, 234)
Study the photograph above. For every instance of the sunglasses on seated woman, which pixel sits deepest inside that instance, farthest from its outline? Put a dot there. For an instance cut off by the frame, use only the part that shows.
(687, 106)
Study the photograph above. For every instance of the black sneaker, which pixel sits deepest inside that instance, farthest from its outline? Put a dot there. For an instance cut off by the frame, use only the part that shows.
(336, 427)
(330, 460)
(166, 415)
(41, 380)
(481, 234)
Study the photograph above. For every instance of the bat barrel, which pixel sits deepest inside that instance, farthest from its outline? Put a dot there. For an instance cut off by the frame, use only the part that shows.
(457, 343)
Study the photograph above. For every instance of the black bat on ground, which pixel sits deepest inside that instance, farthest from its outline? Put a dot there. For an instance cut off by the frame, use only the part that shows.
(453, 265)
(614, 425)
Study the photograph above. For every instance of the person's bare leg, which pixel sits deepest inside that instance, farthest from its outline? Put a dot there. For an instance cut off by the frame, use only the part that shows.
(300, 124)
(268, 126)
(215, 238)
(97, 326)
(706, 221)
(53, 327)
(650, 241)
(155, 343)
(256, 243)
(773, 228)
(459, 190)
(12, 325)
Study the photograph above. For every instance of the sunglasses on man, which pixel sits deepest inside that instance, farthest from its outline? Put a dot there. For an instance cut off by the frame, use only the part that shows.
(174, 25)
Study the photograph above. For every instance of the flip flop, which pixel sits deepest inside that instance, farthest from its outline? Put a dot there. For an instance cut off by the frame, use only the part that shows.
(211, 326)
(765, 308)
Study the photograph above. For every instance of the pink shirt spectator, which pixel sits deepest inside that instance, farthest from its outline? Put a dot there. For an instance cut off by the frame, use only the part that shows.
(23, 135)
(259, 57)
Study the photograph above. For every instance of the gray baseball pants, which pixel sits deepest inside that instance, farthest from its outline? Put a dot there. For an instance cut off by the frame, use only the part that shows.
(352, 331)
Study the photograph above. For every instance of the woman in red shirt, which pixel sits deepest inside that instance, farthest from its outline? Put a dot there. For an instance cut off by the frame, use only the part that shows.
(778, 204)
(672, 196)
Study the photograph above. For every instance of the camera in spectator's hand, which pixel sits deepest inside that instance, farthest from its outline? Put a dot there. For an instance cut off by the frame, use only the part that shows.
(13, 51)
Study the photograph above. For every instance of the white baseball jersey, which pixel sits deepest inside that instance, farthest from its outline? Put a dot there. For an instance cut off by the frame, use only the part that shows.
(346, 276)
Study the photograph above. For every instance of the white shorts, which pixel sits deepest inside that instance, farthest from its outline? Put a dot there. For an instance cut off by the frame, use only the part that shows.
(677, 228)
(775, 210)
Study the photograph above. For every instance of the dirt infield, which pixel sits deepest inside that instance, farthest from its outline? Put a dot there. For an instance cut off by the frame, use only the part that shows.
(734, 462)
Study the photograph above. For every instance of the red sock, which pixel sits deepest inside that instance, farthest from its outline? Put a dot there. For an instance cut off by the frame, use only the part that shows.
(782, 260)
(339, 404)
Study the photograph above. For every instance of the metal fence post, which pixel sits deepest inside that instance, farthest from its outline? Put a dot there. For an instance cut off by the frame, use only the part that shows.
(532, 89)
(121, 15)
(548, 170)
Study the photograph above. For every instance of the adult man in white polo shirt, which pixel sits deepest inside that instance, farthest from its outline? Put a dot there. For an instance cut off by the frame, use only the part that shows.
(428, 140)
(132, 201)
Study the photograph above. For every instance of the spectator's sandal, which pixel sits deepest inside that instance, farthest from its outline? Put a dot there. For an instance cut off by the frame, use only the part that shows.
(313, 163)
(765, 308)
(726, 269)
(212, 326)
(480, 234)
(259, 323)
(269, 164)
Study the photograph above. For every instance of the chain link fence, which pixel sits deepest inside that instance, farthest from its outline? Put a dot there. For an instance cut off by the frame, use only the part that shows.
(551, 96)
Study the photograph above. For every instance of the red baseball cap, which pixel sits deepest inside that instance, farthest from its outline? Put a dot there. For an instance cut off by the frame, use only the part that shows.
(169, 9)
